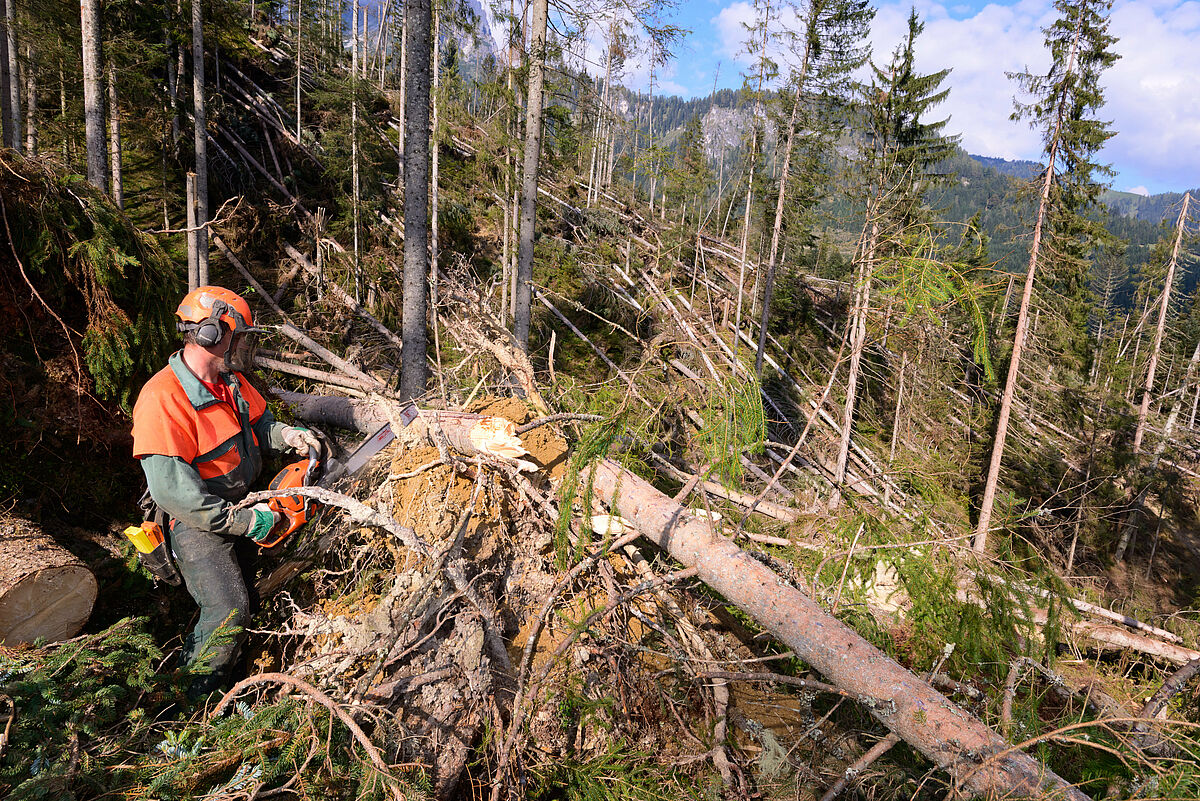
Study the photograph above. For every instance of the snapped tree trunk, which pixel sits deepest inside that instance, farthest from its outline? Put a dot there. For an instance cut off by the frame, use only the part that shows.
(93, 100)
(1164, 305)
(200, 113)
(523, 295)
(414, 374)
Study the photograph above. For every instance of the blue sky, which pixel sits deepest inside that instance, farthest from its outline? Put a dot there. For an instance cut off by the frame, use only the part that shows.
(1153, 93)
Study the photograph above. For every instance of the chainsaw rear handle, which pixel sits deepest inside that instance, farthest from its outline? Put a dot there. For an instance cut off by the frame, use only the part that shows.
(294, 510)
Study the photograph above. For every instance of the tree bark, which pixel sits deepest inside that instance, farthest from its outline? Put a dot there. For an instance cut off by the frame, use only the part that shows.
(523, 296)
(30, 104)
(93, 100)
(200, 113)
(114, 138)
(1164, 305)
(5, 109)
(433, 181)
(14, 74)
(354, 200)
(418, 16)
(45, 591)
(190, 199)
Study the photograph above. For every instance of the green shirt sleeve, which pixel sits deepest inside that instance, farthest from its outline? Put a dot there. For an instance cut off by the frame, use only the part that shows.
(270, 434)
(180, 492)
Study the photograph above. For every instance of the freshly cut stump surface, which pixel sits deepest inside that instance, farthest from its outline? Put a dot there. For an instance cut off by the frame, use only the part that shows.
(45, 591)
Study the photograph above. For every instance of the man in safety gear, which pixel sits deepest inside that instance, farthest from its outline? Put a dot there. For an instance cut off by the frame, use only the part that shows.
(200, 431)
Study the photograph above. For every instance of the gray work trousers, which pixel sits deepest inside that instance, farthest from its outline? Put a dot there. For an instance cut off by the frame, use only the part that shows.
(212, 572)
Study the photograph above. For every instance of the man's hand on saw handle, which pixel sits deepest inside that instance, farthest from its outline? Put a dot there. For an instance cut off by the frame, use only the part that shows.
(301, 440)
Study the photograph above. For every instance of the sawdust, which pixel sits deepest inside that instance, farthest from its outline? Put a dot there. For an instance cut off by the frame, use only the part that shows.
(431, 501)
(513, 409)
(548, 451)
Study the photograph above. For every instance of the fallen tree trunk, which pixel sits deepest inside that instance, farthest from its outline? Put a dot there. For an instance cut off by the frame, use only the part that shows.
(948, 735)
(45, 592)
(941, 730)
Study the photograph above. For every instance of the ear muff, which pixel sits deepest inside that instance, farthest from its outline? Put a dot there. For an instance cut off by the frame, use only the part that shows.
(210, 330)
(209, 333)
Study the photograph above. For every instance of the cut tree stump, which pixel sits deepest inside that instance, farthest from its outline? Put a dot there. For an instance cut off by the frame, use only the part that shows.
(45, 591)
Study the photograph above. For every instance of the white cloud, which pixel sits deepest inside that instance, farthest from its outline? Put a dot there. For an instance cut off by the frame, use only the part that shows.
(1150, 92)
(1139, 190)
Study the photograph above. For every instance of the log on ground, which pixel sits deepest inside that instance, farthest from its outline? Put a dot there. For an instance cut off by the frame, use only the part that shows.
(45, 592)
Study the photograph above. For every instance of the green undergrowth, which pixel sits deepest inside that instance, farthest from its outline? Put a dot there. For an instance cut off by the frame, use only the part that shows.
(620, 773)
(88, 302)
(96, 717)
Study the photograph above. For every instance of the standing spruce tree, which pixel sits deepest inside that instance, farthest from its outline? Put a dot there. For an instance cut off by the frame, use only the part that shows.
(900, 149)
(828, 49)
(1066, 100)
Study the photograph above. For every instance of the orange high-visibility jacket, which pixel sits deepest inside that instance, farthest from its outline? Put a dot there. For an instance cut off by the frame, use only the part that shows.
(177, 416)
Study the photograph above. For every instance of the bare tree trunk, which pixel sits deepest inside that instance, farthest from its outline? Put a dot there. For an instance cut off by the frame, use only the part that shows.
(114, 138)
(1140, 431)
(529, 175)
(14, 74)
(30, 104)
(5, 97)
(418, 15)
(93, 100)
(737, 319)
(193, 275)
(172, 78)
(299, 40)
(887, 486)
(778, 226)
(200, 113)
(433, 181)
(858, 343)
(354, 78)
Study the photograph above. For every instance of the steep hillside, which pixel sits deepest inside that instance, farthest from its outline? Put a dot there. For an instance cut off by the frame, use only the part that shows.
(707, 533)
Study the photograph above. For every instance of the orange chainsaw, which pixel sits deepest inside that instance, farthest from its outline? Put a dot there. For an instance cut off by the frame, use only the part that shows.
(296, 510)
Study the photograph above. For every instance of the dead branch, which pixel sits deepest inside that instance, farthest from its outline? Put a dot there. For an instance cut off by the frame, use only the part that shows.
(1147, 740)
(325, 701)
(266, 360)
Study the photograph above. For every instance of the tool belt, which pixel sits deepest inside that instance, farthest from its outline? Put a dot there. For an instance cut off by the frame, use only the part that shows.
(150, 540)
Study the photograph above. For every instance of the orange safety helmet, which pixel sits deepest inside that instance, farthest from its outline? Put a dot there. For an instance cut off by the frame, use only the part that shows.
(206, 309)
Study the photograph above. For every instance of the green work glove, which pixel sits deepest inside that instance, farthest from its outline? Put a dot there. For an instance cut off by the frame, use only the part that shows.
(265, 520)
